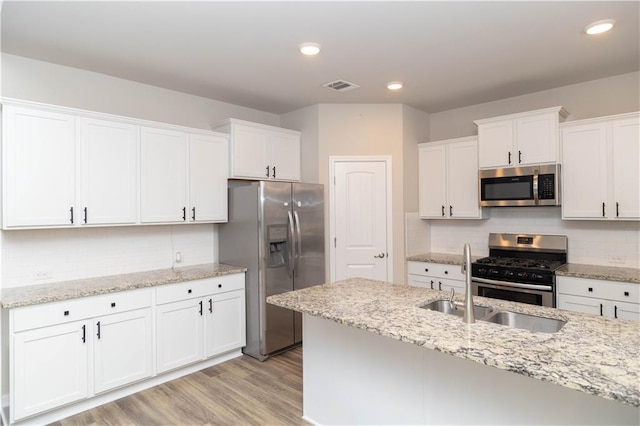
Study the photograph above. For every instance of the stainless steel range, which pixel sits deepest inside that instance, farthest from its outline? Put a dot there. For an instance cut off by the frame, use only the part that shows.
(520, 268)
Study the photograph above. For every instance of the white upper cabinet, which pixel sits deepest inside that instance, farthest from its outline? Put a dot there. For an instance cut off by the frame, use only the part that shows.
(262, 152)
(109, 165)
(448, 179)
(520, 139)
(63, 167)
(601, 168)
(38, 164)
(163, 175)
(208, 173)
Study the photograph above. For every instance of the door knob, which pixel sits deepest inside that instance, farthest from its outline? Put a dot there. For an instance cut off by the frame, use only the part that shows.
(379, 255)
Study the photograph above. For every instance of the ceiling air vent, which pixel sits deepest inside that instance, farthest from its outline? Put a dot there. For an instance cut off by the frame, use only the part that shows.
(340, 86)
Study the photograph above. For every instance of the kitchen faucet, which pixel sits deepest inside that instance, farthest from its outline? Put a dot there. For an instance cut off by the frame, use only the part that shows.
(468, 317)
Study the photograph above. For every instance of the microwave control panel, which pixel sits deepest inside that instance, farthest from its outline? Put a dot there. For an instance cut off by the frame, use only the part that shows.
(546, 187)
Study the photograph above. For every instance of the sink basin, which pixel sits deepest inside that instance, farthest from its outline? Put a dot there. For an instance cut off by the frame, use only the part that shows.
(445, 307)
(532, 323)
(526, 322)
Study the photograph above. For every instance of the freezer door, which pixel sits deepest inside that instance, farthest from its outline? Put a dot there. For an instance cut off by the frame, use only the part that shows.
(277, 325)
(309, 260)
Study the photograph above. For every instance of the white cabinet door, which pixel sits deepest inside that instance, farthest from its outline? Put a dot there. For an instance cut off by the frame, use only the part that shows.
(629, 311)
(225, 322)
(109, 166)
(179, 334)
(123, 349)
(584, 171)
(284, 156)
(208, 173)
(432, 180)
(38, 168)
(587, 305)
(462, 180)
(250, 153)
(448, 285)
(626, 168)
(495, 141)
(536, 139)
(50, 367)
(421, 281)
(163, 175)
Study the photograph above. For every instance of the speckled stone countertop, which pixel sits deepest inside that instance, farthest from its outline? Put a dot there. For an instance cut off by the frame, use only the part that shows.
(443, 258)
(596, 355)
(54, 292)
(596, 272)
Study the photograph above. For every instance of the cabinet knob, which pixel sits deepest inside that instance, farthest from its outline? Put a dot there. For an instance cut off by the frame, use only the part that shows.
(590, 289)
(66, 313)
(446, 272)
(113, 304)
(189, 291)
(219, 285)
(426, 269)
(626, 293)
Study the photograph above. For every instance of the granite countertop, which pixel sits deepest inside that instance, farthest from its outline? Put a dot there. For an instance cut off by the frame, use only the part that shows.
(596, 272)
(443, 258)
(54, 292)
(596, 355)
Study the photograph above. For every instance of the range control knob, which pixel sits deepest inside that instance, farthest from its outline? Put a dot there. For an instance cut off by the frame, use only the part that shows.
(482, 271)
(523, 275)
(494, 272)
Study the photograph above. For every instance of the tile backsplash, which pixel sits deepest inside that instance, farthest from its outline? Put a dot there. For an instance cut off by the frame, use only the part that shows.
(31, 257)
(590, 242)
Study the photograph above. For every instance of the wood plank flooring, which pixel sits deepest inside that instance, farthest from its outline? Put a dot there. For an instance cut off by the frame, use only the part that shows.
(239, 391)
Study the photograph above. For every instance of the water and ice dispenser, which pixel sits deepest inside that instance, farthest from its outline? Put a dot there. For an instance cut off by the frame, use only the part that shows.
(278, 246)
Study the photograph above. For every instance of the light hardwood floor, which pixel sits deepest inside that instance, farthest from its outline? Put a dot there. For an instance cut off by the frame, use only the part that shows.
(240, 391)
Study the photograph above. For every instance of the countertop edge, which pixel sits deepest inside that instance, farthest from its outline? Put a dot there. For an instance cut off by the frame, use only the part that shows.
(17, 297)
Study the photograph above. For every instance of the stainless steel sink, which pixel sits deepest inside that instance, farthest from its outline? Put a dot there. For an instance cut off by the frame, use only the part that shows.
(532, 323)
(445, 306)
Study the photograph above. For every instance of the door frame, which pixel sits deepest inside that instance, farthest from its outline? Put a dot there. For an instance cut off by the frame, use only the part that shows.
(332, 219)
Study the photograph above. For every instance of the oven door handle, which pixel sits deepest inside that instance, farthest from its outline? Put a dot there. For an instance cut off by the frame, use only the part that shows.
(514, 285)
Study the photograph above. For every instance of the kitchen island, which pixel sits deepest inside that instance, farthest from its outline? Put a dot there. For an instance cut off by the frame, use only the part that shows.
(373, 355)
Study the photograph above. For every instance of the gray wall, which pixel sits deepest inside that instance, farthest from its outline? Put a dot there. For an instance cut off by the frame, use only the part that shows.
(606, 96)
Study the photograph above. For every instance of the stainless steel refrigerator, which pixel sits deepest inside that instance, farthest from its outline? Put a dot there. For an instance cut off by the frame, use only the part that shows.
(276, 231)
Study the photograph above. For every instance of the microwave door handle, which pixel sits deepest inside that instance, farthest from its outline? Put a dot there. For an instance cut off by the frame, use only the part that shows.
(536, 201)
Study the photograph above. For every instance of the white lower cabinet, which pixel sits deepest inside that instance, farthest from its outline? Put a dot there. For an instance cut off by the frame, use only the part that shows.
(598, 297)
(207, 319)
(67, 352)
(50, 368)
(435, 276)
(123, 349)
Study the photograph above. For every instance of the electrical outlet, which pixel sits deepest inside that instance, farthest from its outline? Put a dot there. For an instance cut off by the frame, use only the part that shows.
(42, 275)
(617, 259)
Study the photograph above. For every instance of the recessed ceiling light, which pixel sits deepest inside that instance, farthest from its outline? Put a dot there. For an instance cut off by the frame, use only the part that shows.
(599, 26)
(394, 85)
(309, 49)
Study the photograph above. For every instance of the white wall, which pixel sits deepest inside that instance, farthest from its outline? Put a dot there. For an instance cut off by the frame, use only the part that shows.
(305, 120)
(606, 96)
(66, 254)
(589, 242)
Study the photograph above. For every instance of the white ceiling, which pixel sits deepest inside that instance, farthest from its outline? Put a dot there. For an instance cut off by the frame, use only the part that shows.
(449, 54)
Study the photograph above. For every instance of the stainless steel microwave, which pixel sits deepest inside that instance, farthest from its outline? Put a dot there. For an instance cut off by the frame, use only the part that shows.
(520, 186)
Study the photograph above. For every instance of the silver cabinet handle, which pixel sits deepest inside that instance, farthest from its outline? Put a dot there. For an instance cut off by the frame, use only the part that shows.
(379, 255)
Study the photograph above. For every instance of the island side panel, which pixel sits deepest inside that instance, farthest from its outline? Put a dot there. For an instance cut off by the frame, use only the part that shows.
(351, 376)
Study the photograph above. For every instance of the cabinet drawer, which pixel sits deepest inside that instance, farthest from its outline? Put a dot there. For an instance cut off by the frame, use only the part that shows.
(47, 314)
(198, 288)
(436, 270)
(610, 290)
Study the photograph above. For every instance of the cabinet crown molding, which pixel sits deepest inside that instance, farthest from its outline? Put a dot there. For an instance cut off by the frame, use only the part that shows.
(229, 121)
(600, 119)
(563, 114)
(447, 141)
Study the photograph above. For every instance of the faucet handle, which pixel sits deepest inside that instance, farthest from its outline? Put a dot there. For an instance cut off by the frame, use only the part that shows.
(453, 293)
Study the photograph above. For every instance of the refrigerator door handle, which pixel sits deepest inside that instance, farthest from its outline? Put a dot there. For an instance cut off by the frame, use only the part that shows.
(291, 244)
(296, 267)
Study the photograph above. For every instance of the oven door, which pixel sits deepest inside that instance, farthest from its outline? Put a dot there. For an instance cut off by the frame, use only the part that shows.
(531, 294)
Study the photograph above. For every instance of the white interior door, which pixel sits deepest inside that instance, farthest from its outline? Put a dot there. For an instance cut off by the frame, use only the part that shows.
(360, 215)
